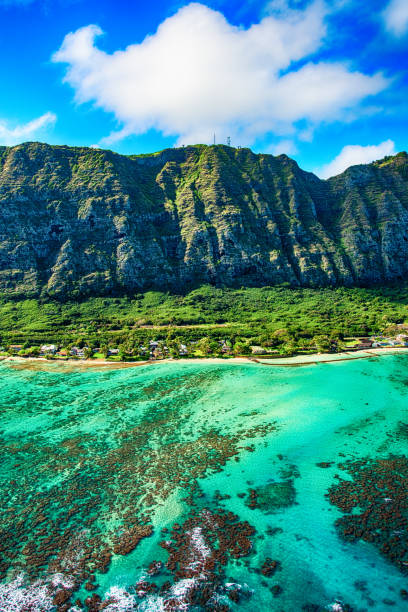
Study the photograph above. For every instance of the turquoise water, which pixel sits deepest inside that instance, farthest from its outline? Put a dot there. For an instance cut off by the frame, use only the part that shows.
(97, 462)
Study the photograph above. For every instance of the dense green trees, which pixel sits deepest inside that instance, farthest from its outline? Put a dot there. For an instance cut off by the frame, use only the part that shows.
(280, 319)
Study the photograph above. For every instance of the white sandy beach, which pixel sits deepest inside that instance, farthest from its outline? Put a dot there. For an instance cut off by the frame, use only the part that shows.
(297, 360)
(330, 357)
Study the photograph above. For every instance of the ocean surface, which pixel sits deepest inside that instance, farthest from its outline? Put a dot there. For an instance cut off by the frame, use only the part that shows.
(185, 486)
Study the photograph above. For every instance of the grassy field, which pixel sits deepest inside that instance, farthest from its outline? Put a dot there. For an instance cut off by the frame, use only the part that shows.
(275, 317)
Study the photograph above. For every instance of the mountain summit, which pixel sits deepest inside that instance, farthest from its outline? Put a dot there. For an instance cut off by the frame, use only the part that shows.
(80, 221)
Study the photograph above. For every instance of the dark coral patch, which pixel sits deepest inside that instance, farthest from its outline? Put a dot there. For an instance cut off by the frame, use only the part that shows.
(272, 497)
(375, 506)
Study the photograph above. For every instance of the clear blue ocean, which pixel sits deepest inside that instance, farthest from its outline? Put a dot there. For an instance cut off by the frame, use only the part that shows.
(183, 486)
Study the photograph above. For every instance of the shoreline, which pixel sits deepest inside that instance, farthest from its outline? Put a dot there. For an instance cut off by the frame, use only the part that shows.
(294, 361)
(317, 358)
(71, 362)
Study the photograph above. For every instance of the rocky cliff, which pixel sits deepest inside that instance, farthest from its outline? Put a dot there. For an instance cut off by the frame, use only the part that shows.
(84, 221)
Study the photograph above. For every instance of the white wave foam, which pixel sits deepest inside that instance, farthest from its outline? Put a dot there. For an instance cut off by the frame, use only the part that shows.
(152, 604)
(198, 543)
(122, 600)
(38, 596)
(15, 596)
(177, 593)
(336, 607)
(199, 552)
(60, 580)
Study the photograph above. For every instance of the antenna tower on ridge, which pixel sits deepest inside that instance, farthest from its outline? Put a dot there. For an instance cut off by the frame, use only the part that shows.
(229, 141)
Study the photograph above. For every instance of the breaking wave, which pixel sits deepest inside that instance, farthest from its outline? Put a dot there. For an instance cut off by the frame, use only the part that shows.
(38, 596)
(17, 595)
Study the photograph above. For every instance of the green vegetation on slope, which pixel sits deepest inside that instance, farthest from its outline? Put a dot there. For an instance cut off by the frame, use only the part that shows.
(279, 318)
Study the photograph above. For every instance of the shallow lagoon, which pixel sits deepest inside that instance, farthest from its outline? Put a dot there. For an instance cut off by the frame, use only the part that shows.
(97, 463)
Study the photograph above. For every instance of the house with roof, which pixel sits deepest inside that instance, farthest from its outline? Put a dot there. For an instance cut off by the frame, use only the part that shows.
(15, 348)
(48, 349)
(365, 343)
(77, 352)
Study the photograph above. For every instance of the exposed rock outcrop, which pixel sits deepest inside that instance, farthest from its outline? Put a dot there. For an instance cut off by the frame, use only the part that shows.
(84, 221)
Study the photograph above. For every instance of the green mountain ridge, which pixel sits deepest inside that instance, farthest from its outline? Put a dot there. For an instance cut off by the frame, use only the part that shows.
(79, 221)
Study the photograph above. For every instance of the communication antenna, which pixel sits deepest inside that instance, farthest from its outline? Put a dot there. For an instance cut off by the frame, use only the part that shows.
(214, 139)
(229, 141)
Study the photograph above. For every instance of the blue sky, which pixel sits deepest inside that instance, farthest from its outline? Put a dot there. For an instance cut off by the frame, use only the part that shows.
(324, 81)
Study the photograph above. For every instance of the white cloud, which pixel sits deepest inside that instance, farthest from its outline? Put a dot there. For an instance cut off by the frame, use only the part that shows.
(396, 17)
(198, 74)
(352, 155)
(286, 146)
(14, 135)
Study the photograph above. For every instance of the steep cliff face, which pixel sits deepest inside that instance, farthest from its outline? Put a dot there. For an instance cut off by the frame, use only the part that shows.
(84, 221)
